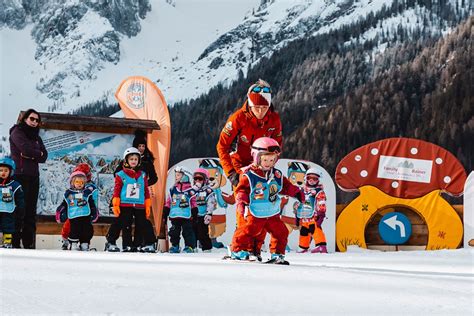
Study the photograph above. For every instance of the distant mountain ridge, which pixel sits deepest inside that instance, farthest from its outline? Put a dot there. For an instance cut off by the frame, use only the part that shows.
(340, 90)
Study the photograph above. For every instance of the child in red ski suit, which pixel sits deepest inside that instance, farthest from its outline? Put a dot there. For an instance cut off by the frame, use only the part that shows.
(257, 196)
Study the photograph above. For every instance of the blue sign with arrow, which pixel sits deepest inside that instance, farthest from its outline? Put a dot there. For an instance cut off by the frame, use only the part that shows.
(395, 228)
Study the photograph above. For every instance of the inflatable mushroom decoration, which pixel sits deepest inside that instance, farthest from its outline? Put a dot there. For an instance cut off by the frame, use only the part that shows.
(401, 172)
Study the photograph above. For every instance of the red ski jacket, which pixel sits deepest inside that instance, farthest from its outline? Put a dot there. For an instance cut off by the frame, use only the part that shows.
(243, 127)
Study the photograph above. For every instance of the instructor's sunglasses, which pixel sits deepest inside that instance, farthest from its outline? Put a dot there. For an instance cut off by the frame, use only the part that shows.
(270, 149)
(33, 119)
(257, 89)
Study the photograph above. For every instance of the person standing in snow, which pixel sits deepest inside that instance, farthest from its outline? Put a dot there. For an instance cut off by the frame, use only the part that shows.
(206, 203)
(12, 200)
(131, 200)
(28, 151)
(66, 230)
(256, 118)
(79, 208)
(181, 208)
(146, 165)
(258, 201)
(311, 214)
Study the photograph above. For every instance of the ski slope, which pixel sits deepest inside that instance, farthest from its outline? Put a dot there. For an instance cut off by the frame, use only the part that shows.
(358, 282)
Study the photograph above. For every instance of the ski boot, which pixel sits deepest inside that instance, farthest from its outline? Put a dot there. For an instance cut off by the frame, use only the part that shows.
(302, 250)
(277, 258)
(320, 249)
(7, 241)
(84, 246)
(148, 249)
(207, 251)
(287, 248)
(127, 249)
(175, 249)
(75, 246)
(217, 244)
(240, 255)
(188, 249)
(65, 244)
(255, 256)
(111, 247)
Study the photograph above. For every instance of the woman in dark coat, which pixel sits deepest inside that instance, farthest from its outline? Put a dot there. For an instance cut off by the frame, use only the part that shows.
(27, 150)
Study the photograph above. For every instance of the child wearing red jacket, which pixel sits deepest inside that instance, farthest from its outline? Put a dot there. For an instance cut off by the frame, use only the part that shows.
(257, 196)
(131, 200)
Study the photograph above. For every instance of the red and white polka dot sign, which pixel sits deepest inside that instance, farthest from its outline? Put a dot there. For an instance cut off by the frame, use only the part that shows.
(402, 167)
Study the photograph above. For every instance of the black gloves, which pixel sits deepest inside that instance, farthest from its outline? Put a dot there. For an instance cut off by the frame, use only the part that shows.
(233, 178)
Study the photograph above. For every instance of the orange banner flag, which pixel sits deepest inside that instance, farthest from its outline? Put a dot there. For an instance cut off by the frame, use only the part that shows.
(140, 98)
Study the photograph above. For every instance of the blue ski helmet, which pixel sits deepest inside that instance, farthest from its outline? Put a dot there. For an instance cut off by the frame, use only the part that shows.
(7, 161)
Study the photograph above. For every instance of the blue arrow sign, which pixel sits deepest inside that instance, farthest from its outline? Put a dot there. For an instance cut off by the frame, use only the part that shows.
(395, 228)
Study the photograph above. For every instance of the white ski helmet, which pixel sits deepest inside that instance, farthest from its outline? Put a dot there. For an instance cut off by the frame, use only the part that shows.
(313, 171)
(187, 174)
(130, 151)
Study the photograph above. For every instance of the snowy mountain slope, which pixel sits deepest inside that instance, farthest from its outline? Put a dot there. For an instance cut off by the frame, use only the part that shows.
(186, 47)
(353, 283)
(173, 33)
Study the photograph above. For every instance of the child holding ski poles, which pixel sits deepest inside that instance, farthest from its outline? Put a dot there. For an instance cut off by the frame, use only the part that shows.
(78, 206)
(257, 196)
(311, 214)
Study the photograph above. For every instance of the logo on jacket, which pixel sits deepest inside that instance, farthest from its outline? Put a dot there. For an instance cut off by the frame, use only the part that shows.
(244, 139)
(273, 192)
(259, 191)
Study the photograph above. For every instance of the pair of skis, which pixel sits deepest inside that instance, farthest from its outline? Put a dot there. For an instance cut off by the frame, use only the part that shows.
(254, 259)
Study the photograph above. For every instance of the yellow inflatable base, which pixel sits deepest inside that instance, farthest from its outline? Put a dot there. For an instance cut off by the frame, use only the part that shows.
(445, 229)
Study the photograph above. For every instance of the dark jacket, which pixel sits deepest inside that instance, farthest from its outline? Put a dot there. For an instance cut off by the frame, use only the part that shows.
(26, 150)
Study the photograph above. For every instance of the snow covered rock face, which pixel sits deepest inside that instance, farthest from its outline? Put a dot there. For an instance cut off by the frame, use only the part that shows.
(12, 14)
(75, 38)
(271, 26)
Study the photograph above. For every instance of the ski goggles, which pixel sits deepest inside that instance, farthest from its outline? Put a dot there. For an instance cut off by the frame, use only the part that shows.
(198, 179)
(312, 178)
(269, 149)
(259, 89)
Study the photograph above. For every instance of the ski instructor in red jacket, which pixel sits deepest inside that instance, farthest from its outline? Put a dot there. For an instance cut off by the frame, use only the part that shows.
(256, 118)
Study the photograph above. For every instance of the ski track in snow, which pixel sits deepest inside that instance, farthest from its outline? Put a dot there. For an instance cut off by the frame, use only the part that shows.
(367, 282)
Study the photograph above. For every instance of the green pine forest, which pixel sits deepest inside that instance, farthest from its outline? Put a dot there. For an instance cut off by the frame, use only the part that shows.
(335, 92)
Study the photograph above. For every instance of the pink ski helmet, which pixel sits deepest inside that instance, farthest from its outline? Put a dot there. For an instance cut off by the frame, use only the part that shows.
(77, 174)
(202, 172)
(264, 145)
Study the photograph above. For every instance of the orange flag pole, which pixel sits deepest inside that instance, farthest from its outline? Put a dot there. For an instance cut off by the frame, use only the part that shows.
(140, 98)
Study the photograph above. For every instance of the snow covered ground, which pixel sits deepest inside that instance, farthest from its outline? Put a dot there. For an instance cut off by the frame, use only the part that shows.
(359, 282)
